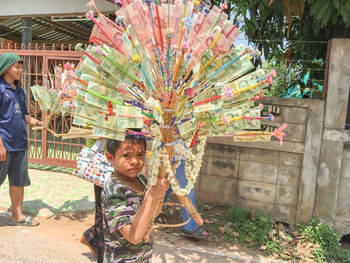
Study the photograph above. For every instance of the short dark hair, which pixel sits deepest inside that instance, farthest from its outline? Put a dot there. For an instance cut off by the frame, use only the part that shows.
(113, 145)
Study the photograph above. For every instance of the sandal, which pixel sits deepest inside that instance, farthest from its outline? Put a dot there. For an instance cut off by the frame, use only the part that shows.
(27, 221)
(83, 241)
(197, 233)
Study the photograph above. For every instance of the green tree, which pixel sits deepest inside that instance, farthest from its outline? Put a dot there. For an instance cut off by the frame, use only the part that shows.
(294, 20)
(297, 30)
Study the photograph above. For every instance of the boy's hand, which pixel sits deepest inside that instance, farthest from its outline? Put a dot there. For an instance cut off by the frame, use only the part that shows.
(158, 190)
(2, 153)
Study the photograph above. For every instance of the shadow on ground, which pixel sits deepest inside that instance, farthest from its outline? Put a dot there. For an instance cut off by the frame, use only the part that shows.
(72, 209)
(90, 256)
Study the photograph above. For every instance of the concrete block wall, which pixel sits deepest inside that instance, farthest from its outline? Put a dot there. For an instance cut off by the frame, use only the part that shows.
(267, 176)
(255, 178)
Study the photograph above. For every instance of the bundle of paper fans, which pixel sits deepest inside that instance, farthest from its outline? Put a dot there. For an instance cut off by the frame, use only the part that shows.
(52, 97)
(170, 69)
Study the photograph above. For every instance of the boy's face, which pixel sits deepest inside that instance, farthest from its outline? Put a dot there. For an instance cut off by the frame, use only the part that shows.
(14, 72)
(129, 159)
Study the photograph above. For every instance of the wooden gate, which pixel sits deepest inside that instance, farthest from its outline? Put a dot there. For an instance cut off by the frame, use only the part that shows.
(43, 147)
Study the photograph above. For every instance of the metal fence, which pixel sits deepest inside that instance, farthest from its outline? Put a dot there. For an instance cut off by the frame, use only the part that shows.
(43, 147)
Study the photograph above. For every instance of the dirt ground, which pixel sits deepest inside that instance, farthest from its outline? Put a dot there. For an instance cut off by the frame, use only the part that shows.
(57, 237)
(64, 205)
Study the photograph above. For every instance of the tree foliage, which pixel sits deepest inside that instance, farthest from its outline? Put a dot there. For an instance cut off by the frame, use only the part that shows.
(297, 30)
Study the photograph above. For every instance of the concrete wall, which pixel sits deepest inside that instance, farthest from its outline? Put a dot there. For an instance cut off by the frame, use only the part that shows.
(280, 180)
(333, 184)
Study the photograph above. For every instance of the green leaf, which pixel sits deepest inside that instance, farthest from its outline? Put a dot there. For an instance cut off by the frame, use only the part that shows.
(249, 25)
(344, 10)
(322, 11)
(254, 20)
(337, 4)
(316, 6)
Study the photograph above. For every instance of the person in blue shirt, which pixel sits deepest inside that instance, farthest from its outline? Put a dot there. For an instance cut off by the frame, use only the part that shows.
(191, 229)
(13, 136)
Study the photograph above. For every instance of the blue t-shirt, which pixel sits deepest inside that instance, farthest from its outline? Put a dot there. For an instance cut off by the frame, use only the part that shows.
(12, 117)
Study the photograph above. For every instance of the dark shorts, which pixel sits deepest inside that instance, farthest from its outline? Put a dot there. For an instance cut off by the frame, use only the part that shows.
(16, 167)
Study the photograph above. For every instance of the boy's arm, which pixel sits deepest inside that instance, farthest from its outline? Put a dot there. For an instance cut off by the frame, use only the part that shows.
(2, 147)
(135, 231)
(32, 121)
(2, 151)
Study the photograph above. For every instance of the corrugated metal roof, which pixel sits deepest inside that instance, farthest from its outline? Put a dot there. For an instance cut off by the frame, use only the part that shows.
(48, 29)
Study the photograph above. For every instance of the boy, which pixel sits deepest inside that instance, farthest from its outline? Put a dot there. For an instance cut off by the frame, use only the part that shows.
(125, 218)
(13, 136)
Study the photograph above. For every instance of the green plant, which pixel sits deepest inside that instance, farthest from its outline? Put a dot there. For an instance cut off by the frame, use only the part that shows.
(272, 248)
(254, 229)
(285, 76)
(293, 79)
(312, 242)
(329, 249)
(319, 254)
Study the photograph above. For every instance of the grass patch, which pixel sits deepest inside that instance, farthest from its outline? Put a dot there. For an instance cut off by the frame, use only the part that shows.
(312, 242)
(50, 168)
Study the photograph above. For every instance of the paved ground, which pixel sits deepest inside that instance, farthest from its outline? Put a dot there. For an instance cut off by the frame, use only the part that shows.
(64, 205)
(52, 192)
